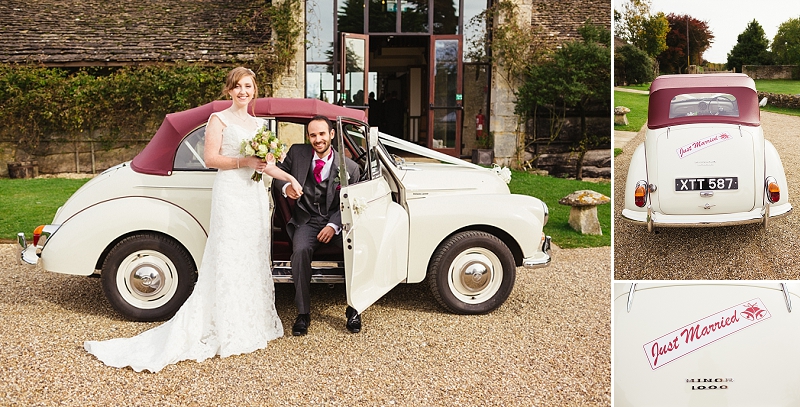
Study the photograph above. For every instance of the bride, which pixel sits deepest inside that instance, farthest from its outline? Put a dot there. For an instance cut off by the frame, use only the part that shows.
(232, 308)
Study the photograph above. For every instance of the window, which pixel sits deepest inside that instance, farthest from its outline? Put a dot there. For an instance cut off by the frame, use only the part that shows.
(703, 104)
(355, 138)
(190, 153)
(189, 156)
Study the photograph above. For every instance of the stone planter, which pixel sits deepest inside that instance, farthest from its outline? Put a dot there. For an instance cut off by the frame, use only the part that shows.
(620, 115)
(23, 169)
(583, 211)
(483, 156)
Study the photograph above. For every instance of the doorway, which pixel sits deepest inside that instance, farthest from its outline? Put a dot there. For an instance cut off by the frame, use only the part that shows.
(409, 85)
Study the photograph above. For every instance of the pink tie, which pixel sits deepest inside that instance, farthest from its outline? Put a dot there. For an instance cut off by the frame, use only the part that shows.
(318, 164)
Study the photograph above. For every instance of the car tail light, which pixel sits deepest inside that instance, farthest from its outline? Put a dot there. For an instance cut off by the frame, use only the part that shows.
(773, 190)
(37, 233)
(640, 194)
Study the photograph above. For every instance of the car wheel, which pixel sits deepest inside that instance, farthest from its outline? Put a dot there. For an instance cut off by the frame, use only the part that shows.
(472, 272)
(147, 277)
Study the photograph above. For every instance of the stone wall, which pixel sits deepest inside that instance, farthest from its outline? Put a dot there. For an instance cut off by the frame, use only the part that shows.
(780, 100)
(769, 71)
(56, 158)
(596, 164)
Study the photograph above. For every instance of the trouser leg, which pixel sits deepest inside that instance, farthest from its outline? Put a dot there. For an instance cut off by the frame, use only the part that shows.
(304, 242)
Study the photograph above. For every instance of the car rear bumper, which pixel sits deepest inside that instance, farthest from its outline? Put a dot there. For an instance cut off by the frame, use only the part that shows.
(28, 253)
(726, 219)
(541, 259)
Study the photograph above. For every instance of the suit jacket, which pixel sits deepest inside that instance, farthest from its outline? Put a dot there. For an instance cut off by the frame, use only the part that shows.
(298, 163)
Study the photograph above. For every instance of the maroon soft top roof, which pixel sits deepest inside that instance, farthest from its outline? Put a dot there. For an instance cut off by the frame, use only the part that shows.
(666, 87)
(157, 157)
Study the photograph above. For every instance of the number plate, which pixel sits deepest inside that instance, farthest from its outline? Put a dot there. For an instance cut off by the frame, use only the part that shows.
(706, 184)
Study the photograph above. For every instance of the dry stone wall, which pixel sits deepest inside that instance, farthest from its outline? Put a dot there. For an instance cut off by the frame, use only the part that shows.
(769, 71)
(780, 100)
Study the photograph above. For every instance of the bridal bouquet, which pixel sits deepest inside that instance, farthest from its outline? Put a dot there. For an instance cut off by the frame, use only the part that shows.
(262, 145)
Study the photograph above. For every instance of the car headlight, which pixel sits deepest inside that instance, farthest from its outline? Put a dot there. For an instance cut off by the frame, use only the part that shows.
(546, 213)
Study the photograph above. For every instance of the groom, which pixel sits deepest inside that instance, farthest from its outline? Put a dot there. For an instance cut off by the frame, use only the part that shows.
(316, 218)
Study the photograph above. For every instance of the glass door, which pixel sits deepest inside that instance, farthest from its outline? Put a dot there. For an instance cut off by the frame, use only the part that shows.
(446, 107)
(354, 60)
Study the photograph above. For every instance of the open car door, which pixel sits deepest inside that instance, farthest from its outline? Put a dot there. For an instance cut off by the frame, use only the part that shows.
(374, 227)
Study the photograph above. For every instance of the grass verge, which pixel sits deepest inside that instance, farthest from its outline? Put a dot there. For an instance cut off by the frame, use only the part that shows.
(784, 86)
(638, 105)
(28, 203)
(550, 190)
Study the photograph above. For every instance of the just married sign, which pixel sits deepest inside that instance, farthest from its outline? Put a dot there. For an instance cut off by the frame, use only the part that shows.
(694, 336)
(698, 145)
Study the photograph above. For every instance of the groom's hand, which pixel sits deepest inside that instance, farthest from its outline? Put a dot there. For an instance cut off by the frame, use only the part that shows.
(326, 234)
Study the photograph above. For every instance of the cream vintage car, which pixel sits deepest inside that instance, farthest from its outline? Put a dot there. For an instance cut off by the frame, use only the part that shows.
(704, 161)
(142, 225)
(720, 343)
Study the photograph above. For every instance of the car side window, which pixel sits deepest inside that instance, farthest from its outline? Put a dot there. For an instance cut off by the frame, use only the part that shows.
(189, 156)
(703, 104)
(363, 155)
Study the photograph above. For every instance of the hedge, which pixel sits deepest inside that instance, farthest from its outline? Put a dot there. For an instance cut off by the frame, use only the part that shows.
(101, 104)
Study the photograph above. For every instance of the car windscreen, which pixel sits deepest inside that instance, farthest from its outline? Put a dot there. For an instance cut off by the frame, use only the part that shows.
(703, 104)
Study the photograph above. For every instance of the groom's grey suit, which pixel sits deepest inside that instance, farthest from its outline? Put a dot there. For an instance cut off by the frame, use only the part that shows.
(317, 207)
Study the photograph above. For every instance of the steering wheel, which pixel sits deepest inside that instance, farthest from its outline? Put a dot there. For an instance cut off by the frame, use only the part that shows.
(360, 156)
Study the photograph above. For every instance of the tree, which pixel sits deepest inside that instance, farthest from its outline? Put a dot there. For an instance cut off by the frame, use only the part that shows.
(674, 59)
(654, 39)
(630, 23)
(632, 65)
(638, 27)
(752, 48)
(786, 44)
(575, 76)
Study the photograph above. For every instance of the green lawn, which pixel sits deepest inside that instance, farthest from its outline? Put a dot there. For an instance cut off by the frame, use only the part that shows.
(550, 190)
(28, 203)
(638, 105)
(783, 86)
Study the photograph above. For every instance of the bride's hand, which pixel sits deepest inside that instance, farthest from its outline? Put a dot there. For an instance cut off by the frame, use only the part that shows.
(297, 188)
(259, 165)
(270, 159)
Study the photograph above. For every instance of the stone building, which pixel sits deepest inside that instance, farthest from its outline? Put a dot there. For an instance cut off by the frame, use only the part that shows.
(411, 55)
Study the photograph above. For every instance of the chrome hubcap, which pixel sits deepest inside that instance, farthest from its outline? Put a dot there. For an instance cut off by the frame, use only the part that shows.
(147, 279)
(475, 275)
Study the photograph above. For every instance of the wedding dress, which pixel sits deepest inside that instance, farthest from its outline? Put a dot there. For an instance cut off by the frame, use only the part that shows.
(232, 308)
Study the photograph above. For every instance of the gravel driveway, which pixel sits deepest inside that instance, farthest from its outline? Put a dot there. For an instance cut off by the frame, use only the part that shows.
(548, 345)
(722, 253)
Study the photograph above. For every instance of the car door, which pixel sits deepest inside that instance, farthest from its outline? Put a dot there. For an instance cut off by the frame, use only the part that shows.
(374, 227)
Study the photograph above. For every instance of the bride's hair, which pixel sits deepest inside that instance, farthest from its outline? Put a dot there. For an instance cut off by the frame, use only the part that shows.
(234, 76)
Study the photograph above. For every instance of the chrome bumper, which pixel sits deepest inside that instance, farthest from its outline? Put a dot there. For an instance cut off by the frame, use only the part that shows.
(28, 253)
(542, 259)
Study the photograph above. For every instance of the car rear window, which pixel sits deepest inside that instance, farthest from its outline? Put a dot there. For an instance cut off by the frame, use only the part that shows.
(703, 104)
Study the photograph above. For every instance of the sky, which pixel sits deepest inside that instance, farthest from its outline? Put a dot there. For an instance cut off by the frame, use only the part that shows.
(728, 18)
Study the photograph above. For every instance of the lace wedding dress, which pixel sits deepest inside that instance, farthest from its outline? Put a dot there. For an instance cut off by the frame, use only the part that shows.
(232, 308)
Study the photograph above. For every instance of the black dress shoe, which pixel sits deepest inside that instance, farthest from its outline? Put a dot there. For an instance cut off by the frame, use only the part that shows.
(301, 324)
(353, 320)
